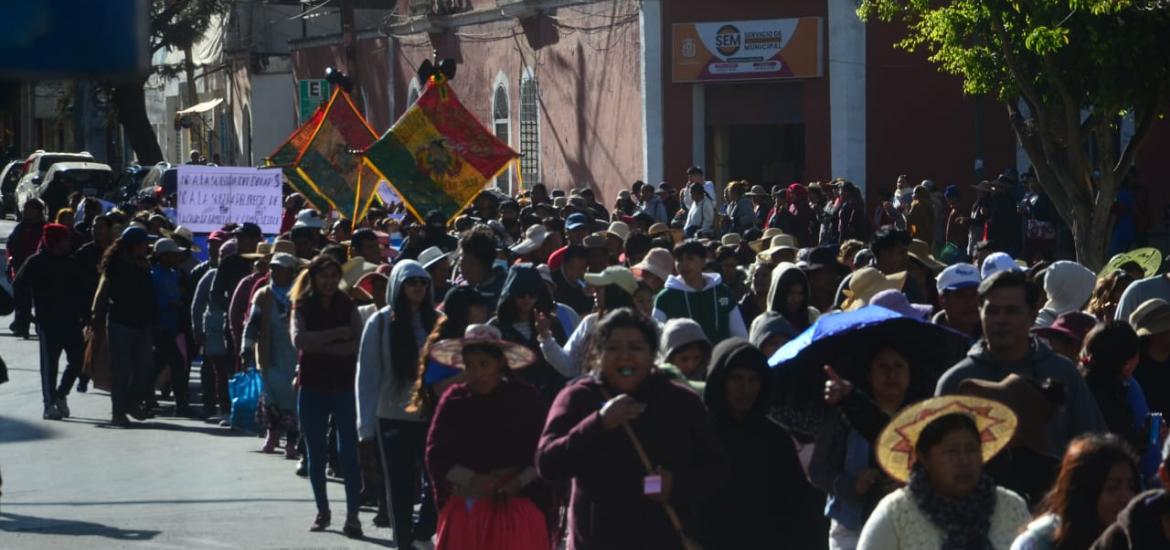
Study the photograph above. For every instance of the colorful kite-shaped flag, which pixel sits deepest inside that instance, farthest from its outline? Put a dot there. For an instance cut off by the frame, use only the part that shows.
(331, 159)
(438, 156)
(286, 155)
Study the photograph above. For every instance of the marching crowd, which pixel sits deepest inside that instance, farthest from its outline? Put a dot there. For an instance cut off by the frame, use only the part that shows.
(544, 370)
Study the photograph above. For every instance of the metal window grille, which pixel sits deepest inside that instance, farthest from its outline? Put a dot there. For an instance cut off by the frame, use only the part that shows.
(529, 133)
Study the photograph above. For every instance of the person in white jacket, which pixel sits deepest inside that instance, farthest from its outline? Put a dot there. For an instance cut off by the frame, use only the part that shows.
(386, 372)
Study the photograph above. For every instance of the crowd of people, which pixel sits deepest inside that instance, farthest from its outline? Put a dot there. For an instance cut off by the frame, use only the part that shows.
(544, 370)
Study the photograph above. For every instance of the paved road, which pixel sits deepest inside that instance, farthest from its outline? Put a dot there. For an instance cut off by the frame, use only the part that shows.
(167, 483)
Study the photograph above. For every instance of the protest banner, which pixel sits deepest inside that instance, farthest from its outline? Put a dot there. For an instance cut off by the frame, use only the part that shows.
(211, 196)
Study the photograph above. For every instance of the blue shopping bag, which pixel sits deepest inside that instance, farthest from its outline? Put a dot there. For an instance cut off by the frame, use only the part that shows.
(245, 389)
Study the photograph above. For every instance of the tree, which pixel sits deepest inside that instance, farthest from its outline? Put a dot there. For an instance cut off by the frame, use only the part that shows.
(1068, 72)
(174, 25)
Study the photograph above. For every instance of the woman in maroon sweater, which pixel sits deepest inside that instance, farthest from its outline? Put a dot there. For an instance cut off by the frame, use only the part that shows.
(481, 443)
(326, 328)
(614, 504)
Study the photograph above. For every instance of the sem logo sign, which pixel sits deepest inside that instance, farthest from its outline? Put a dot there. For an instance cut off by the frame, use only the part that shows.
(727, 40)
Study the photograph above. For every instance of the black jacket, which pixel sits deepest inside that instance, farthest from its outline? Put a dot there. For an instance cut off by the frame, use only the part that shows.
(571, 294)
(58, 295)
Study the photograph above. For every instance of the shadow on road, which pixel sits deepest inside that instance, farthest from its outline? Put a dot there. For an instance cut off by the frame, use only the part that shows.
(16, 523)
(208, 430)
(153, 502)
(17, 431)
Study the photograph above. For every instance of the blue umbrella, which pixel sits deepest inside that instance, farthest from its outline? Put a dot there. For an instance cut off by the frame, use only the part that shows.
(847, 342)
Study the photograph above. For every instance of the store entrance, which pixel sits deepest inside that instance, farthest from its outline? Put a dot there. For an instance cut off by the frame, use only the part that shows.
(755, 132)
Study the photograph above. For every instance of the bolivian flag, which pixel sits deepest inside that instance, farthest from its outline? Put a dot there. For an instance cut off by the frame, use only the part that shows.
(331, 159)
(286, 155)
(438, 156)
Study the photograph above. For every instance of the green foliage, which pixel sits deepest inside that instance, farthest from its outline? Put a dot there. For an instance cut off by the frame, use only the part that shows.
(177, 24)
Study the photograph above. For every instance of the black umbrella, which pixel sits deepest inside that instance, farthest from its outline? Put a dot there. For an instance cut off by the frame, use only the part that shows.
(847, 341)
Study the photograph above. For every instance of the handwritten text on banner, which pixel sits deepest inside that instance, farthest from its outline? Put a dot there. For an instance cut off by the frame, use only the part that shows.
(211, 196)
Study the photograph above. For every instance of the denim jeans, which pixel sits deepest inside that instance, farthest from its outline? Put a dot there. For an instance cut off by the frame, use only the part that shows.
(314, 410)
(54, 339)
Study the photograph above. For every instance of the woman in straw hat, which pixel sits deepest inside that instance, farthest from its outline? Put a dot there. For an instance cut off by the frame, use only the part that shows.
(1098, 477)
(938, 447)
(481, 445)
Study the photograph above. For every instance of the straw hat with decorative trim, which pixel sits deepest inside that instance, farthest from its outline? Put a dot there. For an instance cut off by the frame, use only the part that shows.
(895, 446)
(450, 352)
(1149, 259)
(866, 283)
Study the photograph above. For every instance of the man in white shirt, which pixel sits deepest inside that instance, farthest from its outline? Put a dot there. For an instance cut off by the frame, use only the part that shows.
(701, 213)
(695, 175)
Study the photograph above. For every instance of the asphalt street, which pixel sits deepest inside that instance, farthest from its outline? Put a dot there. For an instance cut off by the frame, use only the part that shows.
(167, 483)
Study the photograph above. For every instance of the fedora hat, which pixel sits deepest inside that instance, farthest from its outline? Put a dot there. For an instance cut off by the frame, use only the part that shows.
(920, 251)
(187, 236)
(1032, 409)
(757, 191)
(731, 239)
(895, 446)
(534, 237)
(596, 240)
(286, 260)
(1151, 317)
(866, 283)
(432, 256)
(763, 242)
(780, 243)
(658, 229)
(450, 352)
(263, 251)
(658, 261)
(353, 270)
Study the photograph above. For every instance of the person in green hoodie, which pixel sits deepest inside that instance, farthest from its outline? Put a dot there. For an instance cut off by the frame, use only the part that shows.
(700, 296)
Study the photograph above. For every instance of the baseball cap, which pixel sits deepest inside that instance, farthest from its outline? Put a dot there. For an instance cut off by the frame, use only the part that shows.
(135, 235)
(614, 275)
(576, 221)
(250, 229)
(957, 277)
(998, 261)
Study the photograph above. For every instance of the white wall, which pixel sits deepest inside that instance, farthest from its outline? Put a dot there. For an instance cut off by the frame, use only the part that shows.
(272, 113)
(847, 92)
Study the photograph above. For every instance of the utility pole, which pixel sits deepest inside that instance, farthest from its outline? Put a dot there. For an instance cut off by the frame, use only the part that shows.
(192, 100)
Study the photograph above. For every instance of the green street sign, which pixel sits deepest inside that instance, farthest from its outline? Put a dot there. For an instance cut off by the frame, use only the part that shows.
(311, 93)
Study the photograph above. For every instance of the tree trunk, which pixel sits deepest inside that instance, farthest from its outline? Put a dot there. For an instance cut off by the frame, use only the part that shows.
(129, 99)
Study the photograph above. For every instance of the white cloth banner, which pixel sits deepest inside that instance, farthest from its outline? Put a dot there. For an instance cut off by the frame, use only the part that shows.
(211, 196)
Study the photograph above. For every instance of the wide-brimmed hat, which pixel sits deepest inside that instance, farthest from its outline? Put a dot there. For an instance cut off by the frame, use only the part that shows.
(731, 239)
(596, 240)
(920, 251)
(560, 202)
(1149, 259)
(757, 191)
(763, 242)
(431, 256)
(263, 251)
(658, 229)
(866, 283)
(895, 300)
(1073, 324)
(187, 237)
(365, 285)
(353, 270)
(620, 230)
(658, 261)
(1151, 317)
(284, 245)
(450, 352)
(1032, 408)
(534, 237)
(779, 243)
(614, 275)
(309, 218)
(895, 446)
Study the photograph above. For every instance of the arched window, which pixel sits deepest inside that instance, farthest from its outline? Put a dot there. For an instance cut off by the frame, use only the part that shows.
(502, 126)
(529, 129)
(412, 95)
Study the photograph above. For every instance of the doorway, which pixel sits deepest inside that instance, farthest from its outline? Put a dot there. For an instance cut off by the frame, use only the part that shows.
(755, 132)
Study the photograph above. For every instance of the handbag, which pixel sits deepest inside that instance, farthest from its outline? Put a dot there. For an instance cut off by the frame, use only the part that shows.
(687, 542)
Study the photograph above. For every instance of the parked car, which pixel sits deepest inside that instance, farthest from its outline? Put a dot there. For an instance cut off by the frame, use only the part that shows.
(93, 179)
(35, 167)
(9, 177)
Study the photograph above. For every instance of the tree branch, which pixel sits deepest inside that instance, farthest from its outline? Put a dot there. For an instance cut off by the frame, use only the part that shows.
(1142, 127)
